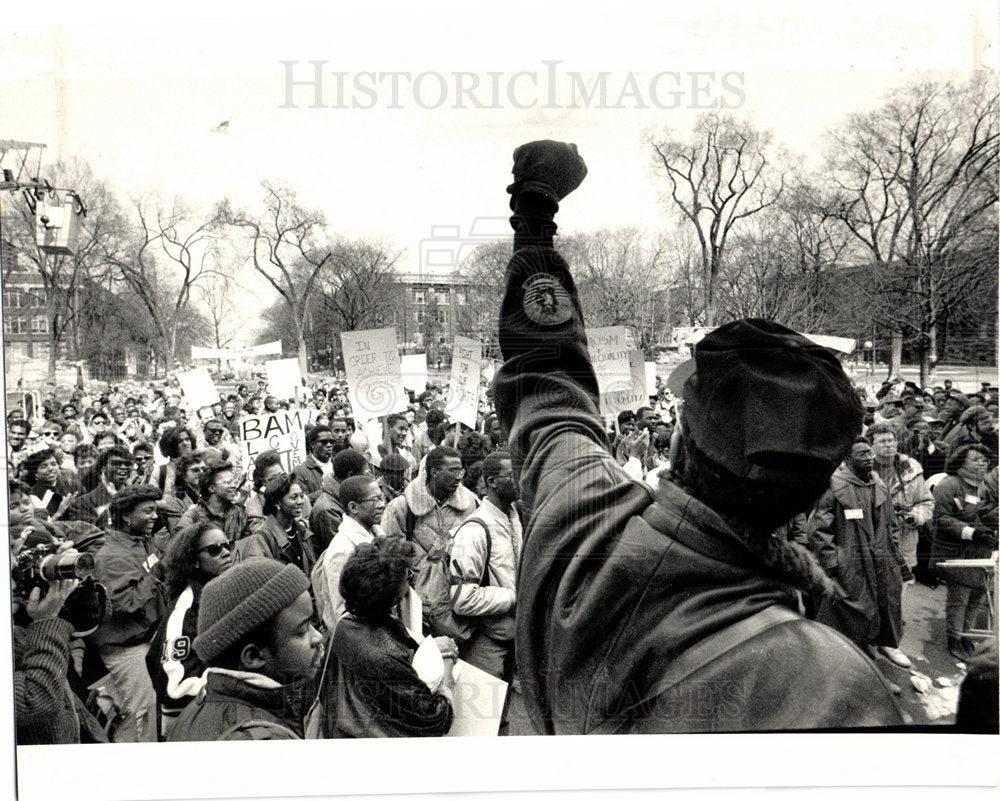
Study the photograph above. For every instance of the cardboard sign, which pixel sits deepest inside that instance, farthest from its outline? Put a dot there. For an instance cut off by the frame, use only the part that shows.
(479, 699)
(198, 388)
(284, 432)
(610, 355)
(463, 386)
(414, 368)
(284, 378)
(650, 378)
(374, 373)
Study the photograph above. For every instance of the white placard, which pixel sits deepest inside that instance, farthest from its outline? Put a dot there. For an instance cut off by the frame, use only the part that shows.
(374, 372)
(284, 378)
(479, 699)
(609, 354)
(414, 368)
(463, 386)
(650, 378)
(198, 388)
(284, 432)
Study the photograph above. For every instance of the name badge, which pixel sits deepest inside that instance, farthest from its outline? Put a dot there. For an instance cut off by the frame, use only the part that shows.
(151, 560)
(972, 499)
(854, 514)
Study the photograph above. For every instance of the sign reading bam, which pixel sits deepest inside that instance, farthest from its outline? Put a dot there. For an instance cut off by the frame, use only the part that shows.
(284, 432)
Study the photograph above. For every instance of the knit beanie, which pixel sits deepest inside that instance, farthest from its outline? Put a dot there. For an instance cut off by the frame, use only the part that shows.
(246, 596)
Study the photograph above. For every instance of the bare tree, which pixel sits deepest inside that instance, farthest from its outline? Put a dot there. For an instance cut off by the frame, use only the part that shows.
(288, 246)
(483, 270)
(623, 279)
(167, 258)
(65, 277)
(716, 180)
(916, 185)
(217, 294)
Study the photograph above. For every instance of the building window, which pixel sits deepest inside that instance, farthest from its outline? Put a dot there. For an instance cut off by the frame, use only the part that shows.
(442, 316)
(15, 325)
(441, 296)
(419, 297)
(14, 299)
(459, 297)
(37, 297)
(419, 315)
(39, 325)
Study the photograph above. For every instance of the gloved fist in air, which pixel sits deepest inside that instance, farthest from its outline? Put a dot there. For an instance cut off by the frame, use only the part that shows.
(550, 168)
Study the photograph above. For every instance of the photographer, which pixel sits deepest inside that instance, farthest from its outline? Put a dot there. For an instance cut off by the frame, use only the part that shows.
(47, 712)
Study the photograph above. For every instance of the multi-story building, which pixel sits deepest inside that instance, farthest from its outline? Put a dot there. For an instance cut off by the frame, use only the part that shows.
(26, 317)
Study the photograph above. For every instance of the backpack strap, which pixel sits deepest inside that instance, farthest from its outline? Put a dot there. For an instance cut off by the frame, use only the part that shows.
(699, 655)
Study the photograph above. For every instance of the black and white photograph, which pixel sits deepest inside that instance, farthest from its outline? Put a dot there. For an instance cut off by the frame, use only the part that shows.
(551, 398)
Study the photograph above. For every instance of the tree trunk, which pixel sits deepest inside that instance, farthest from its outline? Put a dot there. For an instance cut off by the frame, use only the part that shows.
(895, 354)
(53, 351)
(300, 335)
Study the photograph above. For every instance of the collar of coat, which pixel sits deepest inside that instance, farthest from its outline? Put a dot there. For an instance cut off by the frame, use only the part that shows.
(356, 533)
(421, 501)
(844, 480)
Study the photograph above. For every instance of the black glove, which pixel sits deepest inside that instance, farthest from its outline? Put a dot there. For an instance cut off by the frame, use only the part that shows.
(984, 536)
(553, 169)
(86, 607)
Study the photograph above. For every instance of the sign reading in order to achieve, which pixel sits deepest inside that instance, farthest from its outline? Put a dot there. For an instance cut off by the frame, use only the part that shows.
(463, 386)
(374, 373)
(284, 432)
(621, 379)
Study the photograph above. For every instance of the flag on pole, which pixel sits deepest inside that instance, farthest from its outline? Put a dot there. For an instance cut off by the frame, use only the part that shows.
(222, 127)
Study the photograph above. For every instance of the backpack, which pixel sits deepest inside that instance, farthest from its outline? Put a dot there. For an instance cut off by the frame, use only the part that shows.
(436, 587)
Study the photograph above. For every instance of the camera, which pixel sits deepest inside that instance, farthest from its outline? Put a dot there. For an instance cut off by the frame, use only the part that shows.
(37, 566)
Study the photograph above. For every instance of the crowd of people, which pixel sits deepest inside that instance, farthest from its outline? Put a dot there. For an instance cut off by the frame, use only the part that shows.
(753, 531)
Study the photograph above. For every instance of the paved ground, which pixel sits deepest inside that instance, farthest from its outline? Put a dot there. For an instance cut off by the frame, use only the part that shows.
(925, 643)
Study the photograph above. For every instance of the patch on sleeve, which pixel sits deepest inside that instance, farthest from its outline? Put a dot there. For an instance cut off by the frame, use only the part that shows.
(546, 301)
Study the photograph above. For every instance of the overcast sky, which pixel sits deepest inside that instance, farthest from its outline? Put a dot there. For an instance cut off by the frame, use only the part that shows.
(391, 155)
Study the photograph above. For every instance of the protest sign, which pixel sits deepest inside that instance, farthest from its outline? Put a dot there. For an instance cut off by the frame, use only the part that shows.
(374, 372)
(198, 388)
(267, 349)
(414, 368)
(284, 432)
(463, 385)
(284, 379)
(650, 378)
(609, 353)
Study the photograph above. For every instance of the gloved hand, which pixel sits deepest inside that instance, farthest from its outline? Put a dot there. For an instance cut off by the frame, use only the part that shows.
(985, 536)
(550, 168)
(86, 607)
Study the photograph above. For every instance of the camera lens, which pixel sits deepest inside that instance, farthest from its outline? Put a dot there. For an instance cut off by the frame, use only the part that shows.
(66, 566)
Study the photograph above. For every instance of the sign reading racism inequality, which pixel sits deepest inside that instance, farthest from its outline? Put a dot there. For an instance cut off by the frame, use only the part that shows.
(463, 385)
(284, 432)
(374, 373)
(620, 369)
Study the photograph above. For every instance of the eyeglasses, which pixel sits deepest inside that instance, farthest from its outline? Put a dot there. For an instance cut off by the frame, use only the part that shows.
(216, 548)
(457, 472)
(324, 442)
(375, 499)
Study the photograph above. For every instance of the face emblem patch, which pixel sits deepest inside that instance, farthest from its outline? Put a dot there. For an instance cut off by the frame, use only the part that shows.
(546, 301)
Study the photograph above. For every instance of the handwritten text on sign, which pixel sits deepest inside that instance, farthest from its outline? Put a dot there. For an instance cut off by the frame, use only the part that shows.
(463, 385)
(609, 349)
(284, 432)
(374, 374)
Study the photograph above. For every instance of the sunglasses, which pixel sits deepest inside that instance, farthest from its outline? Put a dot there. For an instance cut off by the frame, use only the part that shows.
(216, 548)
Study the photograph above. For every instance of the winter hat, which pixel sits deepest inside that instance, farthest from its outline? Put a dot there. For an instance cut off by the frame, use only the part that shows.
(761, 400)
(246, 596)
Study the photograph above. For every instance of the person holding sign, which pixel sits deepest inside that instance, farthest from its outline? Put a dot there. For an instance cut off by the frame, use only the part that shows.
(632, 602)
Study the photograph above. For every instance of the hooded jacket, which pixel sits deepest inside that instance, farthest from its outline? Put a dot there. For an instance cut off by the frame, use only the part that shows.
(435, 523)
(850, 534)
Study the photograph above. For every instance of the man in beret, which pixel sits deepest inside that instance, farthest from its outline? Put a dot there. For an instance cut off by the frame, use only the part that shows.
(674, 610)
(256, 636)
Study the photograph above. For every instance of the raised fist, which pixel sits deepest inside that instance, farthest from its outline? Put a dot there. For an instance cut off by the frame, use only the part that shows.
(550, 168)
